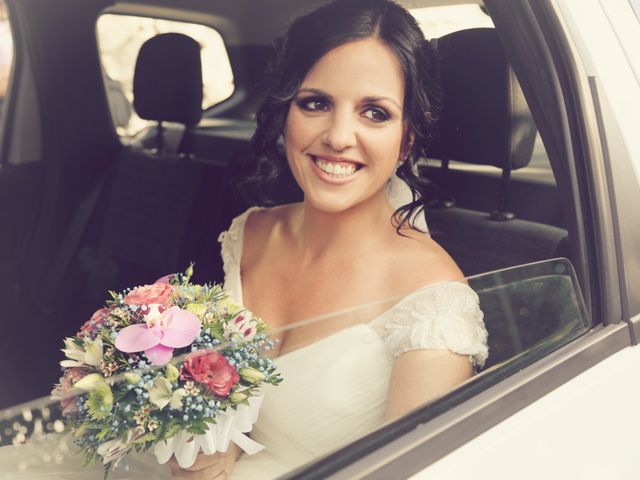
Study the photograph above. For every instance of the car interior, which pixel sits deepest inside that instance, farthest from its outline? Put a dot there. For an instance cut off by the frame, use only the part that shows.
(98, 212)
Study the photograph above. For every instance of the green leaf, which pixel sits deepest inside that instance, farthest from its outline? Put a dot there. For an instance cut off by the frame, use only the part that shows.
(147, 437)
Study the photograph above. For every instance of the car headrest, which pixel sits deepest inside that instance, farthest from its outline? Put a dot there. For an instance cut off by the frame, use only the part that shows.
(485, 118)
(167, 84)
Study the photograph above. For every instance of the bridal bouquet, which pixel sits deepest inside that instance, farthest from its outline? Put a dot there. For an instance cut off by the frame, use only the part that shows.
(171, 366)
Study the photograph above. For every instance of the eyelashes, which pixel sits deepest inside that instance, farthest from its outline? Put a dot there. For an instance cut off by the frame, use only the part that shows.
(377, 114)
(316, 104)
(312, 104)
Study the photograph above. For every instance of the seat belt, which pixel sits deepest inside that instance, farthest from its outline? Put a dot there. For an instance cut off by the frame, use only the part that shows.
(78, 225)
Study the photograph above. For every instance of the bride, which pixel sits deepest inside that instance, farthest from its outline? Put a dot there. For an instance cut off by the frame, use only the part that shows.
(352, 96)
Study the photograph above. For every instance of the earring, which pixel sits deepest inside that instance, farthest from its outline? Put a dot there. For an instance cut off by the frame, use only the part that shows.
(400, 162)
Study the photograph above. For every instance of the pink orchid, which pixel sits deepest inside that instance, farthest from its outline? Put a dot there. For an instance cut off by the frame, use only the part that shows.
(162, 332)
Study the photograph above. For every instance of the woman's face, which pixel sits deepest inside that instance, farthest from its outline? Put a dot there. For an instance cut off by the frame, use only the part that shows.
(344, 130)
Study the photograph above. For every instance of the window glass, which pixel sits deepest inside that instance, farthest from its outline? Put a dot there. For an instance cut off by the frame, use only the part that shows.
(635, 4)
(120, 38)
(438, 21)
(6, 51)
(344, 374)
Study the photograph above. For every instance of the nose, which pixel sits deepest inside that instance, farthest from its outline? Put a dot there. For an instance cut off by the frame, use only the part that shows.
(340, 133)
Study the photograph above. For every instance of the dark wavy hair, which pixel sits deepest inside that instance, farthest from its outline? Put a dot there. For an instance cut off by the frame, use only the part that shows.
(307, 40)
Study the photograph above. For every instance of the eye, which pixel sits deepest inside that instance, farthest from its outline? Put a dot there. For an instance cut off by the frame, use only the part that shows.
(376, 114)
(313, 104)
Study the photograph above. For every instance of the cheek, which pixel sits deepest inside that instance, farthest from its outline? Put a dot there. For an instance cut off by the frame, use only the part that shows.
(384, 147)
(297, 133)
(295, 141)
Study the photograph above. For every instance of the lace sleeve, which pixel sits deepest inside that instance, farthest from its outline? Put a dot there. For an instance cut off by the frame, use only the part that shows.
(440, 317)
(231, 244)
(228, 240)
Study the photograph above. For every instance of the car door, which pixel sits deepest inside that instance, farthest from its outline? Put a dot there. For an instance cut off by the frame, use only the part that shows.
(21, 173)
(51, 152)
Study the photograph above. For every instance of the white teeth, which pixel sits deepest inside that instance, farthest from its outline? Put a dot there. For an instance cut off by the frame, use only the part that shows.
(335, 170)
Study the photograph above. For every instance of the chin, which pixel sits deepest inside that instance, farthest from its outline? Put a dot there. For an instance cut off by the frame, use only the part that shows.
(330, 203)
(329, 207)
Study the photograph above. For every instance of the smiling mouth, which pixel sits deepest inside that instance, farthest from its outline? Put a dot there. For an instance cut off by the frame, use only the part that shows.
(336, 169)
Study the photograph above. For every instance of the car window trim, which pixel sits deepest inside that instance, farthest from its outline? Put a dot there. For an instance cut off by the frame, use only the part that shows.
(635, 5)
(529, 54)
(588, 160)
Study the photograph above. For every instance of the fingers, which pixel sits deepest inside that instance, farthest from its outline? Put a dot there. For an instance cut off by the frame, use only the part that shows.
(208, 461)
(206, 467)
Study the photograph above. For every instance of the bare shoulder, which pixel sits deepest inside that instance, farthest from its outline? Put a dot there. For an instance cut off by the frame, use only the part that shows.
(263, 220)
(261, 226)
(420, 261)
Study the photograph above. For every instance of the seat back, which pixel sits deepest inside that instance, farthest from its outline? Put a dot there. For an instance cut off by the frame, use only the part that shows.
(157, 211)
(485, 121)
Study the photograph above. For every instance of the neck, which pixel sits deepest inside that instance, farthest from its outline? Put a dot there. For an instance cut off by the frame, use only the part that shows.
(325, 235)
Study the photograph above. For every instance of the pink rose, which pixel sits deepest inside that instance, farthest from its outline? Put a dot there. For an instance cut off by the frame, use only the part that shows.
(74, 374)
(211, 369)
(90, 326)
(68, 403)
(166, 280)
(148, 294)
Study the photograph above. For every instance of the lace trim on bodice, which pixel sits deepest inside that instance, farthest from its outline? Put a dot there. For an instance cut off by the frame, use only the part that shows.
(231, 243)
(445, 316)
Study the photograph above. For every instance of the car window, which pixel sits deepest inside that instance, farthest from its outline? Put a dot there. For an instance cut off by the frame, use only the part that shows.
(528, 310)
(120, 38)
(635, 4)
(335, 388)
(442, 20)
(6, 56)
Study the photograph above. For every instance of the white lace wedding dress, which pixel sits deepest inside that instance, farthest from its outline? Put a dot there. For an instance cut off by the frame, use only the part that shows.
(334, 390)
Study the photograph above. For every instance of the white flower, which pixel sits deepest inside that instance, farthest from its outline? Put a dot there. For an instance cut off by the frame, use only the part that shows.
(154, 316)
(115, 449)
(90, 382)
(111, 450)
(160, 394)
(90, 354)
(243, 327)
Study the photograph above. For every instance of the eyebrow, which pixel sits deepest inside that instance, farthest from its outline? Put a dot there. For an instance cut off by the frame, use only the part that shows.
(365, 99)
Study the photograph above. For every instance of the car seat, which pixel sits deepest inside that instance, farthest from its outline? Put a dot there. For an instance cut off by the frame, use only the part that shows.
(484, 121)
(156, 211)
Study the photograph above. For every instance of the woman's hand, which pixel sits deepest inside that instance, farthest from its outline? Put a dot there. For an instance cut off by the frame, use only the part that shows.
(207, 467)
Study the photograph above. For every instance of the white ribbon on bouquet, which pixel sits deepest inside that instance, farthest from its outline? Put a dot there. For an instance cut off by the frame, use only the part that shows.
(231, 425)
